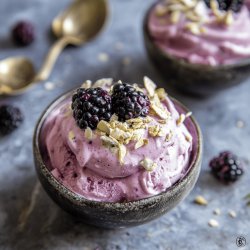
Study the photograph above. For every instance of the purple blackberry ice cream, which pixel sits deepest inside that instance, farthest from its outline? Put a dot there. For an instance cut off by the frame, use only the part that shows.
(121, 156)
(190, 30)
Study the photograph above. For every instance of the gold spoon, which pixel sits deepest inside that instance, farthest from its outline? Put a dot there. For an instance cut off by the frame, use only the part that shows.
(79, 23)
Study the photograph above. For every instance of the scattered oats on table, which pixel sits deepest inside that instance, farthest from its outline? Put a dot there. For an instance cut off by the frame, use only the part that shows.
(103, 57)
(213, 223)
(240, 124)
(217, 211)
(49, 85)
(200, 200)
(232, 213)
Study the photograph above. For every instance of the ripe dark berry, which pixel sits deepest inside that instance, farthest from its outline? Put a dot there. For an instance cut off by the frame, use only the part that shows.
(90, 106)
(127, 102)
(10, 119)
(23, 33)
(226, 167)
(234, 5)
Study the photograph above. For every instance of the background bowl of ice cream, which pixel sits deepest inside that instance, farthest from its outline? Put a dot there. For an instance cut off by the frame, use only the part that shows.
(117, 214)
(196, 73)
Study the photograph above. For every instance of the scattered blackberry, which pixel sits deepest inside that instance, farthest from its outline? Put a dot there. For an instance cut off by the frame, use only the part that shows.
(23, 33)
(234, 5)
(226, 167)
(90, 106)
(127, 102)
(10, 119)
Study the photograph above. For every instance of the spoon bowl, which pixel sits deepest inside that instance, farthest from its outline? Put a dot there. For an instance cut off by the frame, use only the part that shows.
(79, 23)
(15, 73)
(82, 20)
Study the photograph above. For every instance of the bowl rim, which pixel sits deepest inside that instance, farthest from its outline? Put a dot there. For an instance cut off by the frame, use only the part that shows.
(76, 198)
(243, 62)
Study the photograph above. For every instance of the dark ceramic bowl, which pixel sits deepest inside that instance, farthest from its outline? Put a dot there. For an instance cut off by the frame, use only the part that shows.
(119, 214)
(193, 78)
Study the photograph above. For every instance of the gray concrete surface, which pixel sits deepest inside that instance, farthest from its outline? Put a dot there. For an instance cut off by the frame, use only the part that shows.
(48, 227)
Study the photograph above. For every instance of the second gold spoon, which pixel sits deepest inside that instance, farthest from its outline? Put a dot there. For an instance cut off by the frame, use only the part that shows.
(79, 23)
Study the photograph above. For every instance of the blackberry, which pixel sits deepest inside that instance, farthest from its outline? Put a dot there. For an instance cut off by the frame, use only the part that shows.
(10, 119)
(127, 102)
(23, 33)
(234, 5)
(90, 106)
(226, 167)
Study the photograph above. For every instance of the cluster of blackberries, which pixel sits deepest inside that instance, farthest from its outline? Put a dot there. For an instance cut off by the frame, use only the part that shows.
(94, 104)
(90, 106)
(10, 119)
(127, 102)
(226, 167)
(234, 5)
(23, 33)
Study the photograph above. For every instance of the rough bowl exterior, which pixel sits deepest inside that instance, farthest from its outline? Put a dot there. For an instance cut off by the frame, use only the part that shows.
(115, 215)
(193, 78)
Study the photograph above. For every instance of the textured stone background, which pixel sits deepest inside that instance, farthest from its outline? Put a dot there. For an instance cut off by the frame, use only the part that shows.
(48, 227)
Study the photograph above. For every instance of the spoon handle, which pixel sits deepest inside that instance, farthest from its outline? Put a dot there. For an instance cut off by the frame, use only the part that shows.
(52, 55)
